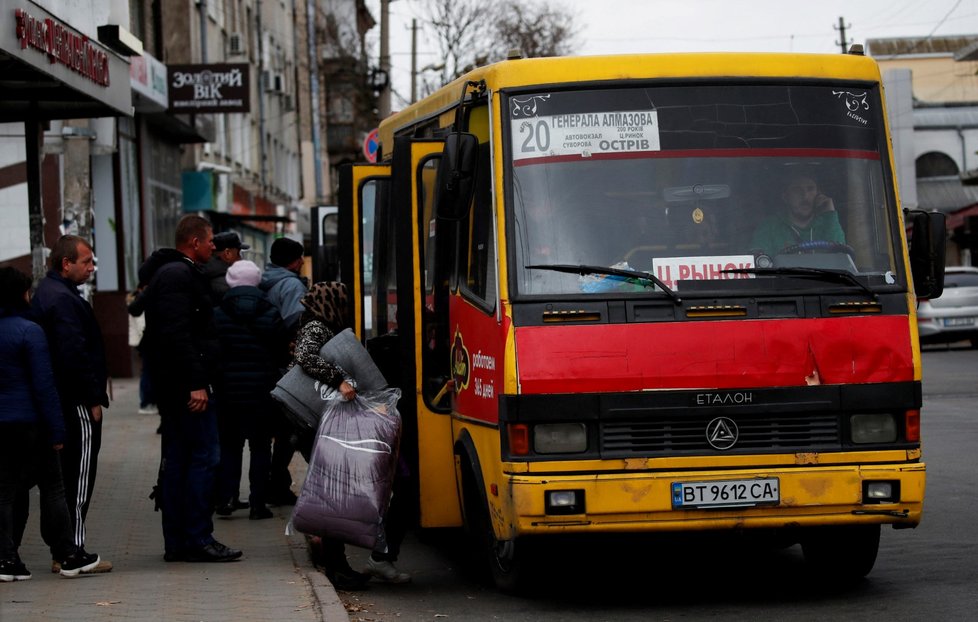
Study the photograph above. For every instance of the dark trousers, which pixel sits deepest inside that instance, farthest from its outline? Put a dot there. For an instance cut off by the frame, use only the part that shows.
(26, 459)
(238, 424)
(79, 464)
(280, 480)
(190, 456)
(396, 520)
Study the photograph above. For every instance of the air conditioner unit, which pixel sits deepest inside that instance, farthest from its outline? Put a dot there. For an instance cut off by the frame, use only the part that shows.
(287, 104)
(236, 44)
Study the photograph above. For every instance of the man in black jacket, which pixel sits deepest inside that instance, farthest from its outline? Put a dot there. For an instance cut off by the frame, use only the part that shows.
(78, 357)
(182, 349)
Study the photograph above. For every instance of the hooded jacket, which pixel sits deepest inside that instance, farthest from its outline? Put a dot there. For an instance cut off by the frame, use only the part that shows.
(27, 389)
(254, 347)
(74, 341)
(285, 290)
(180, 341)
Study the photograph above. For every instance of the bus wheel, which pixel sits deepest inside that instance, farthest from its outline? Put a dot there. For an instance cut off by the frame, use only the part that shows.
(843, 553)
(504, 559)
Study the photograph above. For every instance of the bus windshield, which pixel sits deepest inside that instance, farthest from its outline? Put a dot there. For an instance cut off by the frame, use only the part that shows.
(710, 188)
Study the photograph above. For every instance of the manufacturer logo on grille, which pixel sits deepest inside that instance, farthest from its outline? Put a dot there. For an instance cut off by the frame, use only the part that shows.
(722, 433)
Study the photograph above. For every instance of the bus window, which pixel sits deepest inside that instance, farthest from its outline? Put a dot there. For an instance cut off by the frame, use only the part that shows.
(478, 246)
(436, 247)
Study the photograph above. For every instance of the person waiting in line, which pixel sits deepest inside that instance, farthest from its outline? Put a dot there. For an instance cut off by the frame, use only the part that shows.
(184, 353)
(254, 348)
(284, 287)
(327, 311)
(32, 434)
(808, 216)
(80, 373)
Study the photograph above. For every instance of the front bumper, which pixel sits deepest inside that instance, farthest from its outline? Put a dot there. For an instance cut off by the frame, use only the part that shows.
(642, 502)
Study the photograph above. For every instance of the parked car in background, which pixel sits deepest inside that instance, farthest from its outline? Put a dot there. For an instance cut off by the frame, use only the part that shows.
(953, 316)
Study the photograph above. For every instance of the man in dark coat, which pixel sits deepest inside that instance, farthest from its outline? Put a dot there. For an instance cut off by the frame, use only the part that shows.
(182, 348)
(253, 350)
(80, 371)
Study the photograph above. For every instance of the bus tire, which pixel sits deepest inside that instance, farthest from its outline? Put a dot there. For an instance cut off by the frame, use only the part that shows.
(502, 561)
(843, 553)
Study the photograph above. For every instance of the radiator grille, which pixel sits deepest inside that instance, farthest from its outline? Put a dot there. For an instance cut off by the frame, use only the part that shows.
(812, 431)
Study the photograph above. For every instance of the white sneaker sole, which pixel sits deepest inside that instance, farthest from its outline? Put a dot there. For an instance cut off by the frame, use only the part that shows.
(77, 571)
(10, 578)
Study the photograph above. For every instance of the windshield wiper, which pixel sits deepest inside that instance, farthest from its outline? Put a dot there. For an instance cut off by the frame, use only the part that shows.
(585, 270)
(818, 273)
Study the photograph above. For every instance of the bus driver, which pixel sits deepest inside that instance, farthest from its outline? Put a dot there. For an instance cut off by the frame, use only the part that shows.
(808, 216)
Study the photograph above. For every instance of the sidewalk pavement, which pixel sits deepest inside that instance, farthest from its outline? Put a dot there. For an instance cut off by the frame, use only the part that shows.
(274, 580)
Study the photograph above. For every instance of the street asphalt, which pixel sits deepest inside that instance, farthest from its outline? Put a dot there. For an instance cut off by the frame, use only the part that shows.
(274, 579)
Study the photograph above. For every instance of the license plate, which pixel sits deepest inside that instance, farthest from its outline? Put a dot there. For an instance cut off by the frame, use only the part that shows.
(959, 321)
(735, 493)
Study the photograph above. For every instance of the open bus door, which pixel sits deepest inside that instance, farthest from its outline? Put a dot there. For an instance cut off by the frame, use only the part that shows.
(391, 252)
(363, 193)
(424, 258)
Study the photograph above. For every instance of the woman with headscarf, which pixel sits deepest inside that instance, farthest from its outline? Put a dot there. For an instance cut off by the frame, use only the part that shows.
(326, 312)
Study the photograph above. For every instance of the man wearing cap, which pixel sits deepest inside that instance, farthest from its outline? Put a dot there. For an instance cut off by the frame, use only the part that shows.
(227, 250)
(281, 280)
(284, 288)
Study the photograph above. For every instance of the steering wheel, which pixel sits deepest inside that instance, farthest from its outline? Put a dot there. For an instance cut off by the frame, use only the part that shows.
(818, 246)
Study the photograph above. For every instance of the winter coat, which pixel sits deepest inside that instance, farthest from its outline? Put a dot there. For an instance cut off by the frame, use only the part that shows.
(180, 342)
(284, 289)
(74, 341)
(27, 389)
(254, 347)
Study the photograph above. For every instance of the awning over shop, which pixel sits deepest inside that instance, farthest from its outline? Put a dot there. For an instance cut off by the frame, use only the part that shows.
(48, 70)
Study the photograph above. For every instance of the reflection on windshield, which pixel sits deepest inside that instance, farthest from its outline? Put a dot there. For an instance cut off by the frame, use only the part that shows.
(689, 220)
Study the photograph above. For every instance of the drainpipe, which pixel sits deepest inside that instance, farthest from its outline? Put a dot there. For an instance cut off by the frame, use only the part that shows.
(261, 95)
(314, 107)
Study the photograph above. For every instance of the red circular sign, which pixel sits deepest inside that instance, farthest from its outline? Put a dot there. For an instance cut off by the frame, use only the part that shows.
(371, 145)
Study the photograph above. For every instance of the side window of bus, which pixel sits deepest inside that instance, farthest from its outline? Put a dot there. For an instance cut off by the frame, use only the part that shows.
(377, 259)
(436, 261)
(478, 247)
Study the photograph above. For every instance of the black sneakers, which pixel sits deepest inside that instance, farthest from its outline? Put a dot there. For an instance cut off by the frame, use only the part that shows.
(259, 513)
(213, 552)
(13, 570)
(79, 562)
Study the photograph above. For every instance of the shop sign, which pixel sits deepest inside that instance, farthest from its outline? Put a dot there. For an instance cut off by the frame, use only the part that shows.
(62, 45)
(209, 88)
(148, 78)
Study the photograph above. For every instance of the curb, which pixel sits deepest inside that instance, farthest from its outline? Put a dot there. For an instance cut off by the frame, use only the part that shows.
(328, 602)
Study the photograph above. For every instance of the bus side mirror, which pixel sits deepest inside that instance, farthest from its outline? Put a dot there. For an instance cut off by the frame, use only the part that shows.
(927, 253)
(456, 176)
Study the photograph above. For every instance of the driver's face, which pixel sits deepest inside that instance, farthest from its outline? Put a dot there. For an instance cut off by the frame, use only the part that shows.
(799, 196)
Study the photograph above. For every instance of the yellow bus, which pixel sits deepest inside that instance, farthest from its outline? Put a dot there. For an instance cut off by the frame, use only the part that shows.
(649, 293)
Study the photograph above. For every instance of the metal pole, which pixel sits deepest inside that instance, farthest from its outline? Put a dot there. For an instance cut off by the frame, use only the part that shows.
(203, 31)
(384, 101)
(35, 213)
(414, 60)
(314, 107)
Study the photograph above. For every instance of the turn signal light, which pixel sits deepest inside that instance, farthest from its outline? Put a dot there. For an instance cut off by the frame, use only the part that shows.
(519, 439)
(913, 426)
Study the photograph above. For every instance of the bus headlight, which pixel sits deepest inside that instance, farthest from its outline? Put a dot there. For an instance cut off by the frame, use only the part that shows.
(881, 491)
(562, 502)
(876, 428)
(559, 438)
